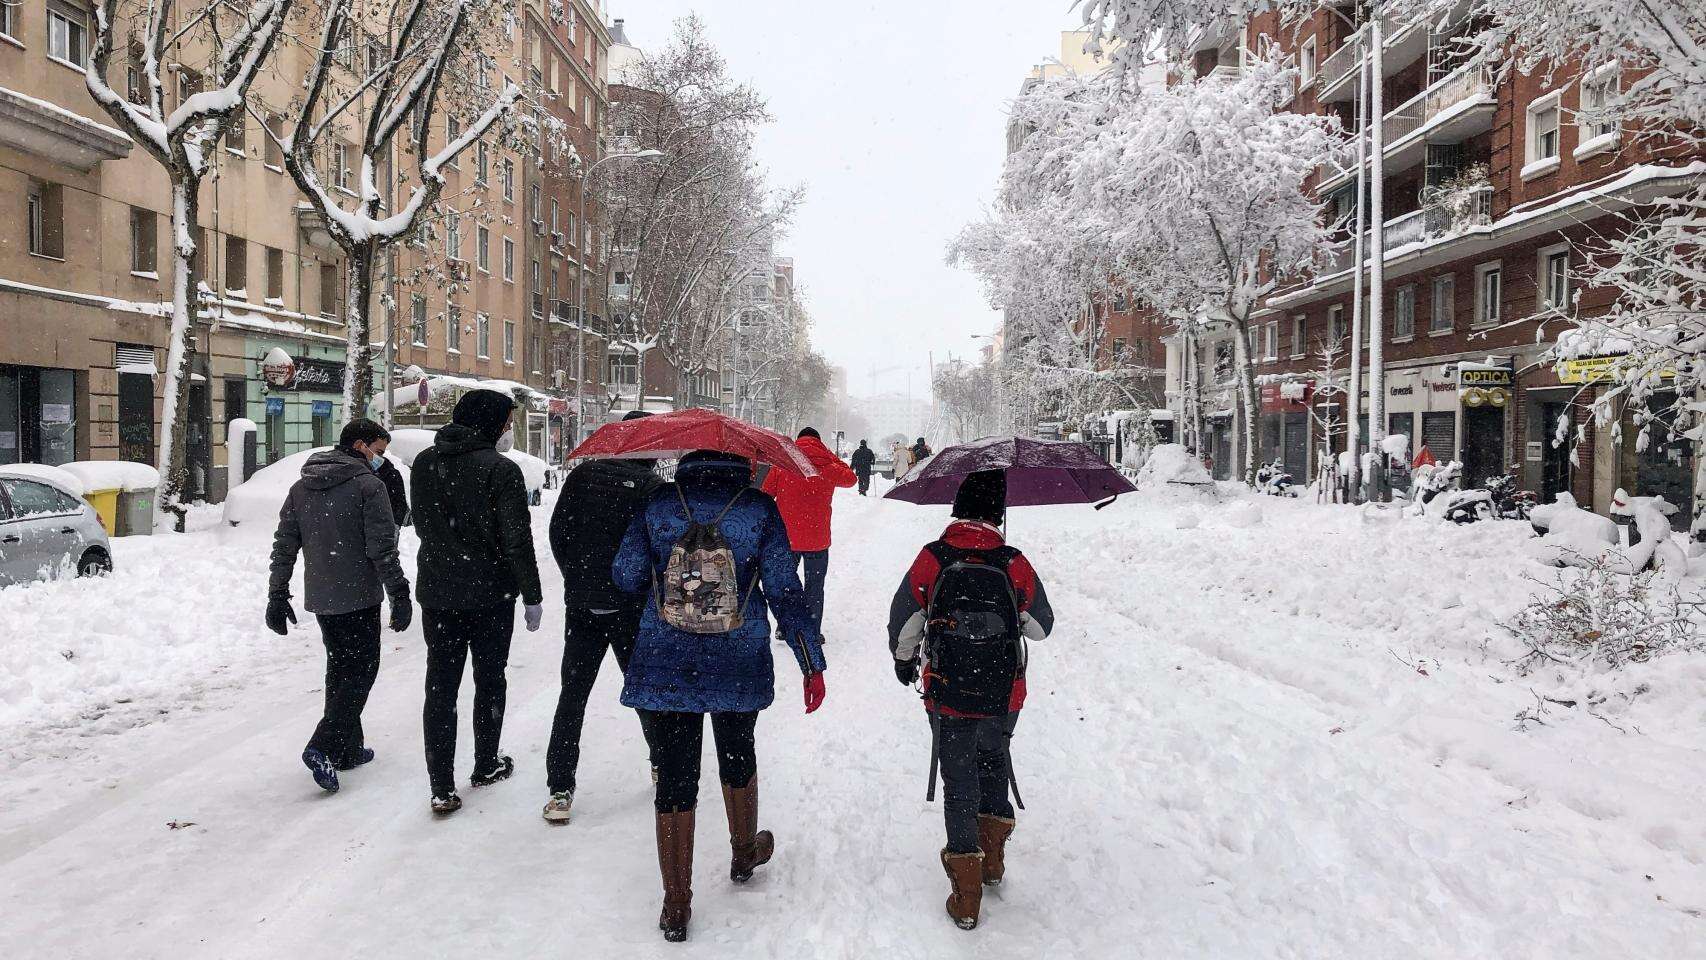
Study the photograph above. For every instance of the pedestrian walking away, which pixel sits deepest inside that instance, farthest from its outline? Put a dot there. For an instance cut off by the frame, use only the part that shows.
(599, 499)
(711, 555)
(338, 516)
(958, 623)
(921, 451)
(476, 557)
(806, 504)
(864, 460)
(901, 456)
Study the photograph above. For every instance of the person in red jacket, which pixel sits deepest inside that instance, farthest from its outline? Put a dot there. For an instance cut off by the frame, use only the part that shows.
(805, 506)
(973, 693)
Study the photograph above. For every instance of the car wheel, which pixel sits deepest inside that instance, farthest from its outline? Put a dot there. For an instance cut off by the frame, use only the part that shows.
(94, 563)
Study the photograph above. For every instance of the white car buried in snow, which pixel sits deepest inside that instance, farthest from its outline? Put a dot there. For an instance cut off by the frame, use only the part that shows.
(46, 528)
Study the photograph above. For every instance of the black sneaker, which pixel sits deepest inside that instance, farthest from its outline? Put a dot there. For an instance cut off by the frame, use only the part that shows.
(318, 764)
(446, 805)
(355, 758)
(500, 770)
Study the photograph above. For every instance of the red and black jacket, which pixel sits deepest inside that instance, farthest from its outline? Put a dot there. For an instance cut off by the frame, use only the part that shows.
(913, 594)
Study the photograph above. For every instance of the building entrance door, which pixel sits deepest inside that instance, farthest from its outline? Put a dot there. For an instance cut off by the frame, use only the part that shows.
(198, 440)
(1483, 444)
(1554, 457)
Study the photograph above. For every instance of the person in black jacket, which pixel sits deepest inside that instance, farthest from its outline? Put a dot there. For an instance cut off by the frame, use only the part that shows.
(600, 499)
(476, 556)
(397, 490)
(864, 460)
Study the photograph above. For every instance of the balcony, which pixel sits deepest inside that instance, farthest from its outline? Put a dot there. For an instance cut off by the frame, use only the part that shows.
(52, 132)
(1455, 108)
(563, 312)
(1226, 71)
(1449, 211)
(1403, 44)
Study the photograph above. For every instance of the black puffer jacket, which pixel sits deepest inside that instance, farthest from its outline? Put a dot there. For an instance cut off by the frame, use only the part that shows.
(600, 499)
(864, 459)
(338, 517)
(397, 490)
(470, 509)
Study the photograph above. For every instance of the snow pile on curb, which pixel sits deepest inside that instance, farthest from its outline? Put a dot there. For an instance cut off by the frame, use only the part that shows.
(1172, 463)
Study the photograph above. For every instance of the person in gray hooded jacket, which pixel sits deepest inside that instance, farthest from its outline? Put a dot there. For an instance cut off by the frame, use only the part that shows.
(338, 516)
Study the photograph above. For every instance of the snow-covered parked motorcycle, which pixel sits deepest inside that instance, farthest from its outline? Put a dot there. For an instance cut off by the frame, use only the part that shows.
(1272, 480)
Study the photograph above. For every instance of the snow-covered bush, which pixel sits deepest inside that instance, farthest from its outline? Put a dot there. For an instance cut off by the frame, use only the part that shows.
(1594, 616)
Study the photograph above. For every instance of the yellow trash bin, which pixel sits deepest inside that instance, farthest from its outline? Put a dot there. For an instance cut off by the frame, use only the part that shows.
(105, 503)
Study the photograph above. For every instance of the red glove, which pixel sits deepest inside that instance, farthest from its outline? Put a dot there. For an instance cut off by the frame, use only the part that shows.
(814, 690)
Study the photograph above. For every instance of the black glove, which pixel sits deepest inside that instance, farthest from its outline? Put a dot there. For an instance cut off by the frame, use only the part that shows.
(278, 611)
(402, 613)
(906, 671)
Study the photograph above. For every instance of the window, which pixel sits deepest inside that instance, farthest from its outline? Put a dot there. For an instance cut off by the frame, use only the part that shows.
(9, 21)
(452, 130)
(1299, 335)
(509, 341)
(46, 213)
(533, 351)
(509, 259)
(135, 88)
(237, 132)
(453, 235)
(1554, 278)
(274, 154)
(1489, 287)
(534, 208)
(1119, 350)
(553, 214)
(343, 169)
(1543, 129)
(533, 271)
(144, 241)
(329, 290)
(483, 249)
(482, 336)
(623, 370)
(237, 267)
(1121, 302)
(67, 33)
(453, 328)
(482, 161)
(1336, 331)
(377, 56)
(275, 276)
(418, 320)
(189, 84)
(1443, 315)
(32, 499)
(506, 174)
(1272, 341)
(1404, 312)
(1306, 62)
(1599, 89)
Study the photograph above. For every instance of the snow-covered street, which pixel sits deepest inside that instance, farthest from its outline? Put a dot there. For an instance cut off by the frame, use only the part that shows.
(1278, 731)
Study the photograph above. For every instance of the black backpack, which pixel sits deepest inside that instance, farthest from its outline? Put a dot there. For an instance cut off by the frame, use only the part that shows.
(972, 645)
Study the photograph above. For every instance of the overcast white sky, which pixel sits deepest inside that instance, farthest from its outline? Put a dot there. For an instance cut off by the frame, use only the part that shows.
(894, 116)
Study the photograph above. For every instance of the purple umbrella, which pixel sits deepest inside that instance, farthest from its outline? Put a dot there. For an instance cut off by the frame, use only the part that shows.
(1038, 472)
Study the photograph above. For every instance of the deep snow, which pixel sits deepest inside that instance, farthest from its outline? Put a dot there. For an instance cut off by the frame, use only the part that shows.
(1280, 731)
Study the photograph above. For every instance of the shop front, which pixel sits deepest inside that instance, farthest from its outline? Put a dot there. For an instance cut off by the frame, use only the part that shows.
(1284, 434)
(38, 421)
(1484, 391)
(297, 391)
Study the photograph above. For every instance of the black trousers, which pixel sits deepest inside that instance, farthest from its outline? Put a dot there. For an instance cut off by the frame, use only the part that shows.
(676, 739)
(352, 664)
(586, 635)
(864, 483)
(975, 773)
(451, 636)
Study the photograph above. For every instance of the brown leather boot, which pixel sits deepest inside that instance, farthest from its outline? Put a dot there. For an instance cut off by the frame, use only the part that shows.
(965, 873)
(992, 834)
(675, 864)
(750, 846)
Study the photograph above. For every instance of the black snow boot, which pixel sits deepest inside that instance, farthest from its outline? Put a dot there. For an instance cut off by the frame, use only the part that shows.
(499, 769)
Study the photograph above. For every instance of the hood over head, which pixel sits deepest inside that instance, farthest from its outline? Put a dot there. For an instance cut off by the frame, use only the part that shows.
(328, 468)
(486, 412)
(455, 439)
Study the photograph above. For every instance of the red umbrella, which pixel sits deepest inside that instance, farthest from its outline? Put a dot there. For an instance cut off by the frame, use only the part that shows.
(670, 435)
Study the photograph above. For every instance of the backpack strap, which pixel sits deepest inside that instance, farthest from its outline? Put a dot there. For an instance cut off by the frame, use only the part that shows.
(935, 755)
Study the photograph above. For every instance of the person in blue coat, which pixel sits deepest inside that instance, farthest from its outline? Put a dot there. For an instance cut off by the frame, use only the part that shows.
(676, 677)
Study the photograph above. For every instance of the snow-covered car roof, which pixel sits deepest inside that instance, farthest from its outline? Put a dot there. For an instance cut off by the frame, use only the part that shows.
(52, 476)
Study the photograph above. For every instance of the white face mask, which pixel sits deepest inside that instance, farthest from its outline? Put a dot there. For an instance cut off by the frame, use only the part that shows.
(507, 441)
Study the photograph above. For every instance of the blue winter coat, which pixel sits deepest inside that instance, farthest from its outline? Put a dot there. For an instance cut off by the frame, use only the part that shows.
(717, 672)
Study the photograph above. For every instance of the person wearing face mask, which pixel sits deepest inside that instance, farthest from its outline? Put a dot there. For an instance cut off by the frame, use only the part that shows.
(339, 517)
(476, 557)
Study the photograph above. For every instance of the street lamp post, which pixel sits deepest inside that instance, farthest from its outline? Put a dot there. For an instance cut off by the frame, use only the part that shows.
(580, 318)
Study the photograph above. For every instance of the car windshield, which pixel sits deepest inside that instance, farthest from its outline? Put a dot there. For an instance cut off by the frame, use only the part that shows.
(29, 498)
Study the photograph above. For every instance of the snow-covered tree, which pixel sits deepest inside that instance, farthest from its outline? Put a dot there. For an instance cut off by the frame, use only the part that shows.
(375, 88)
(227, 43)
(965, 394)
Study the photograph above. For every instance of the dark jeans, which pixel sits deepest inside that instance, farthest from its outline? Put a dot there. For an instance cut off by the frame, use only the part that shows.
(814, 570)
(973, 757)
(864, 483)
(676, 739)
(586, 635)
(352, 664)
(451, 635)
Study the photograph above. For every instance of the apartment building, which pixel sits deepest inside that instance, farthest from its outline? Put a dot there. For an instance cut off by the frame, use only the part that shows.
(82, 323)
(1489, 185)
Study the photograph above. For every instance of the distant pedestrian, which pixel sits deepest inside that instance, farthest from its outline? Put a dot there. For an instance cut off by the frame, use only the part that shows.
(339, 517)
(807, 504)
(476, 556)
(921, 451)
(600, 499)
(960, 620)
(902, 458)
(711, 556)
(864, 461)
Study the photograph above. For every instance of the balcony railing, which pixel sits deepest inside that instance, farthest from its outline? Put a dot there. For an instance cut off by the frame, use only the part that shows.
(1423, 111)
(1448, 213)
(1344, 61)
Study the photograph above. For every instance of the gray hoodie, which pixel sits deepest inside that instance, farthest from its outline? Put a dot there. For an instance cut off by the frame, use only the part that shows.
(339, 517)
